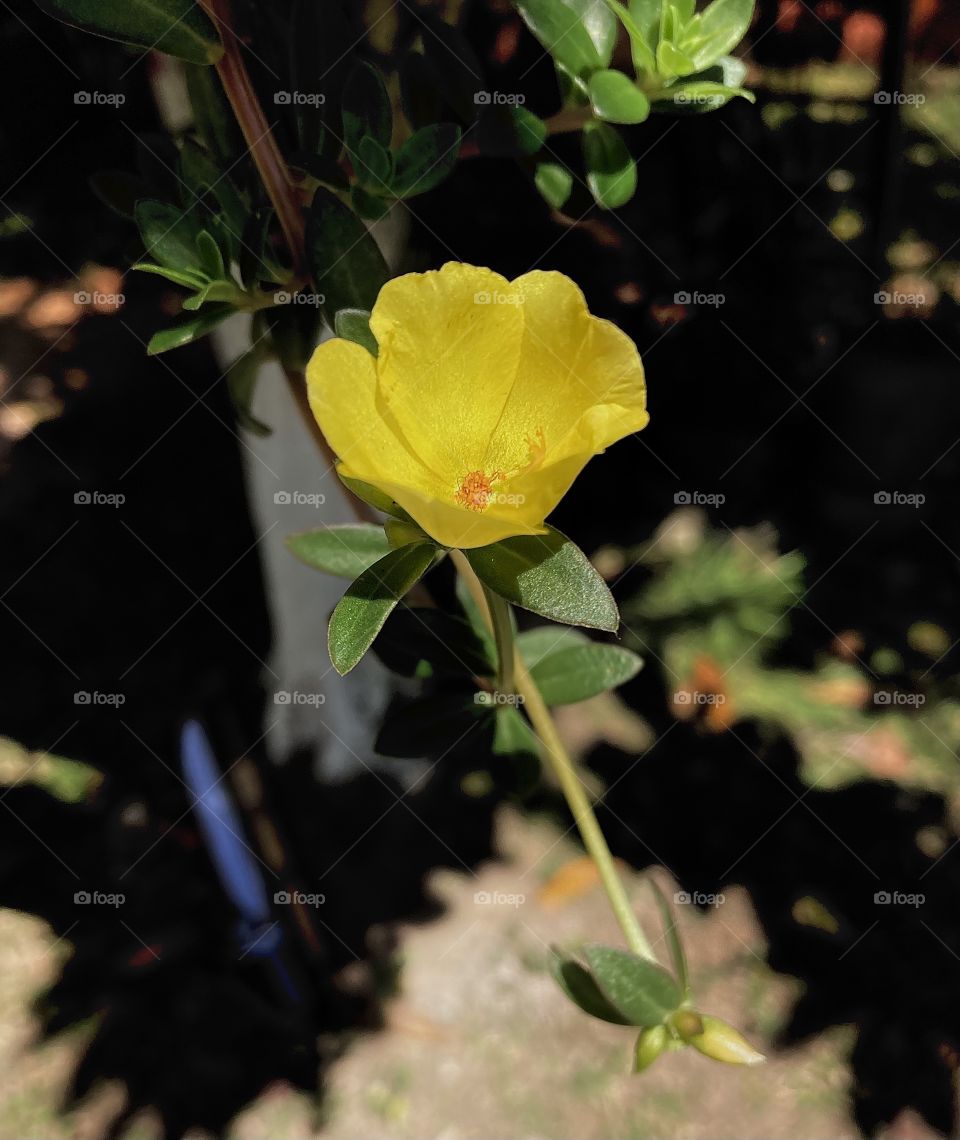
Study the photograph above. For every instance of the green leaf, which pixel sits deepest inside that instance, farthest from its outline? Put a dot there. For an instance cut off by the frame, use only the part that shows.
(616, 98)
(187, 279)
(555, 182)
(580, 672)
(119, 189)
(642, 991)
(671, 61)
(549, 575)
(241, 383)
(611, 171)
(672, 934)
(176, 27)
(543, 640)
(368, 205)
(366, 108)
(345, 550)
(214, 291)
(698, 96)
(716, 31)
(650, 1044)
(446, 642)
(169, 235)
(373, 165)
(426, 159)
(431, 726)
(211, 259)
(571, 30)
(510, 132)
(354, 324)
(200, 173)
(578, 984)
(361, 612)
(346, 263)
(476, 618)
(188, 331)
(642, 23)
(373, 496)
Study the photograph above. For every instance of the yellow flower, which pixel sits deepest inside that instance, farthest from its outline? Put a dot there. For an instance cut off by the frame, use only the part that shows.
(487, 398)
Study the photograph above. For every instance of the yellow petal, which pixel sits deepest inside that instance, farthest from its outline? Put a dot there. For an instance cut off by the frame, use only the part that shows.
(449, 348)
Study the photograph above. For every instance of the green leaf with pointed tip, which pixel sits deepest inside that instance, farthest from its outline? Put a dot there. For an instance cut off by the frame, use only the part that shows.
(555, 183)
(549, 575)
(671, 61)
(214, 291)
(698, 96)
(642, 991)
(176, 27)
(672, 934)
(346, 263)
(211, 259)
(241, 384)
(366, 108)
(373, 165)
(426, 159)
(373, 496)
(169, 235)
(582, 671)
(537, 643)
(344, 550)
(616, 98)
(611, 170)
(716, 31)
(368, 602)
(185, 278)
(354, 324)
(578, 984)
(642, 24)
(188, 331)
(578, 34)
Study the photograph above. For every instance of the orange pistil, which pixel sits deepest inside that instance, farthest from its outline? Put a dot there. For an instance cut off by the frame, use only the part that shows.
(476, 489)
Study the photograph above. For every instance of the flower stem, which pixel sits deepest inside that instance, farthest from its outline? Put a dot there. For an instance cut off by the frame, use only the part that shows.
(571, 785)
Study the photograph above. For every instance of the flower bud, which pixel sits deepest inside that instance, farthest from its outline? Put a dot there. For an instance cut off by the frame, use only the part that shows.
(401, 533)
(650, 1044)
(687, 1023)
(724, 1043)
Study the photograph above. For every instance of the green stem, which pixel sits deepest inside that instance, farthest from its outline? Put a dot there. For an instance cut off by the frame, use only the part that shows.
(502, 623)
(570, 783)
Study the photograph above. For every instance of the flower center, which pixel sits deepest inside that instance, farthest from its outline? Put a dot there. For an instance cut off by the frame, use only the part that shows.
(475, 490)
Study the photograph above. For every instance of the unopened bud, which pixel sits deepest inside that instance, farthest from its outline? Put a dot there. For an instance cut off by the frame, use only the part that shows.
(400, 533)
(724, 1043)
(687, 1023)
(650, 1044)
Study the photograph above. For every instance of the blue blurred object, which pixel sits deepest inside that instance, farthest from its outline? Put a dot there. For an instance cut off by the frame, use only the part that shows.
(260, 934)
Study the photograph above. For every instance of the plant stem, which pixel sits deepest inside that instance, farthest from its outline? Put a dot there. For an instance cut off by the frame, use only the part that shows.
(502, 625)
(498, 615)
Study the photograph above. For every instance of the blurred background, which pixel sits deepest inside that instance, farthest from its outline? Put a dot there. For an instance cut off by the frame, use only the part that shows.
(783, 541)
